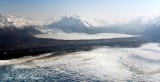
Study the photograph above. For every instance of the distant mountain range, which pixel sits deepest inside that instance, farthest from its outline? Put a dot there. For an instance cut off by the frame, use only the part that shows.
(147, 26)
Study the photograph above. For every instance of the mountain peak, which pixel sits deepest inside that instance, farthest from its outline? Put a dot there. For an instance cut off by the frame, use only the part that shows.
(18, 22)
(75, 23)
(12, 21)
(73, 16)
(76, 20)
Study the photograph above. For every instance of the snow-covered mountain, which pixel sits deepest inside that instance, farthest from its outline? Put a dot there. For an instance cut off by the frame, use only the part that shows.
(75, 23)
(153, 30)
(9, 23)
(15, 29)
(75, 20)
(17, 22)
(138, 25)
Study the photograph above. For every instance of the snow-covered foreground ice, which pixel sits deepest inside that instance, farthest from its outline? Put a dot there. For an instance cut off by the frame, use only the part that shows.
(82, 36)
(101, 64)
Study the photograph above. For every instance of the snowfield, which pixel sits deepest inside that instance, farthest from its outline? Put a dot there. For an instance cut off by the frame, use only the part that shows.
(100, 64)
(82, 36)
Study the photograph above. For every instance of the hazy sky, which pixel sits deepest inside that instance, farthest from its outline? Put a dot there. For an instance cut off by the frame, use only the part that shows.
(100, 9)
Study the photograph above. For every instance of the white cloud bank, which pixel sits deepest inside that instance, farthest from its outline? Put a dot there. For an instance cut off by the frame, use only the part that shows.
(82, 36)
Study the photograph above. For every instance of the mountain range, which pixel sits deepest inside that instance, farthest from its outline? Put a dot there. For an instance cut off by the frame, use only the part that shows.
(147, 26)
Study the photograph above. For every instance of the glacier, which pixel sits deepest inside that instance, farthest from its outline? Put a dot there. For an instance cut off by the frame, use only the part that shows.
(99, 64)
